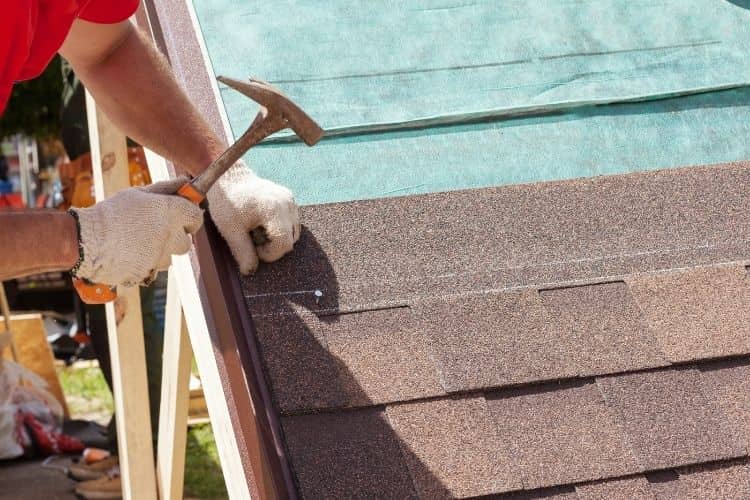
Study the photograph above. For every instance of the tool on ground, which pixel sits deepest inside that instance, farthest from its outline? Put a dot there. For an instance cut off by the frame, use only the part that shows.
(277, 112)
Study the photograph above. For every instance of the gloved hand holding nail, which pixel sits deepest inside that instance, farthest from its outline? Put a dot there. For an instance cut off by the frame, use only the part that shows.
(242, 204)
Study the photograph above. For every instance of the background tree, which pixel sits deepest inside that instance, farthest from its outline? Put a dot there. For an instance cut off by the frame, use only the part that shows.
(34, 106)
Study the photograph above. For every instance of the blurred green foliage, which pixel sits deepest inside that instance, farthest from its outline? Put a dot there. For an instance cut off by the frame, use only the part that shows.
(34, 107)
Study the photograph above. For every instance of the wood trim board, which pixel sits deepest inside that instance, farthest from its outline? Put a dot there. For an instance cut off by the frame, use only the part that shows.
(225, 344)
(109, 157)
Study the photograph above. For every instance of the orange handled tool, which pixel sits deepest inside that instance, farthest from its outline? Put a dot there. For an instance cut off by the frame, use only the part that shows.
(277, 112)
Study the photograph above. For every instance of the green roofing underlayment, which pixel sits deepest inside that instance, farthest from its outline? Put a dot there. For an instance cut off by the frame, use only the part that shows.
(424, 96)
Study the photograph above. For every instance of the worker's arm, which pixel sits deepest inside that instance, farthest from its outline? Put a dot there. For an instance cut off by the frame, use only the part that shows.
(123, 240)
(36, 241)
(133, 84)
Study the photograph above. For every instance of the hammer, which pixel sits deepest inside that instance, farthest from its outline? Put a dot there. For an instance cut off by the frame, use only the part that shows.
(277, 112)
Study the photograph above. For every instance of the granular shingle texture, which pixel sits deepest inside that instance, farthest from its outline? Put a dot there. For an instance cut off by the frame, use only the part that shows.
(348, 455)
(609, 329)
(385, 356)
(631, 488)
(668, 420)
(494, 340)
(698, 313)
(452, 449)
(572, 340)
(562, 435)
(725, 481)
(727, 385)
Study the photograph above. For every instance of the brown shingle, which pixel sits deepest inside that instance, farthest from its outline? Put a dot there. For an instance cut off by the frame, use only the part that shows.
(720, 481)
(398, 249)
(494, 339)
(701, 313)
(631, 488)
(302, 372)
(557, 493)
(351, 454)
(358, 359)
(451, 448)
(668, 420)
(727, 386)
(609, 329)
(384, 355)
(561, 436)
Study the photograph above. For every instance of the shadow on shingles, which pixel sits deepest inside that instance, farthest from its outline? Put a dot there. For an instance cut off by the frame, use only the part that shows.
(356, 453)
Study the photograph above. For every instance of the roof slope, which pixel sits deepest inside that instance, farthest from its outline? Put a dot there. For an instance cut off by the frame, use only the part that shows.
(581, 339)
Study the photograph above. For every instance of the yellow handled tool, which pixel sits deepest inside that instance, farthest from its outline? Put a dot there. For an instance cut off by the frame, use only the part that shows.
(277, 112)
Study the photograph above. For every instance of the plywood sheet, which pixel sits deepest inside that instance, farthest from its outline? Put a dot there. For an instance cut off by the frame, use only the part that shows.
(34, 351)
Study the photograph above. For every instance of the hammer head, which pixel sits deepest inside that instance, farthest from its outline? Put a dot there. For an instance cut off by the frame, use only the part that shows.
(277, 103)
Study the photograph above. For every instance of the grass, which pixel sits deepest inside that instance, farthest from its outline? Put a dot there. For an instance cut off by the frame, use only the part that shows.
(203, 477)
(86, 393)
(88, 397)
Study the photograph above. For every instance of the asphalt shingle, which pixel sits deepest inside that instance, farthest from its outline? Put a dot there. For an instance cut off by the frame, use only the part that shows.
(610, 332)
(631, 488)
(716, 481)
(699, 313)
(564, 435)
(400, 249)
(668, 420)
(302, 372)
(727, 386)
(383, 355)
(347, 455)
(494, 339)
(452, 449)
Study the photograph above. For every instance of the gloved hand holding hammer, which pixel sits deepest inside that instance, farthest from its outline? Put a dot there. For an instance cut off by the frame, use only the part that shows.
(123, 240)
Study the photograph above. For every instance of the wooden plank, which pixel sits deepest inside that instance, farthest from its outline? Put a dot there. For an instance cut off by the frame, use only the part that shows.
(175, 393)
(33, 351)
(126, 345)
(203, 348)
(251, 431)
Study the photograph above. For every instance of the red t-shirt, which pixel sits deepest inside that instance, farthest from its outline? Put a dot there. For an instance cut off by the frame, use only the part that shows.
(31, 32)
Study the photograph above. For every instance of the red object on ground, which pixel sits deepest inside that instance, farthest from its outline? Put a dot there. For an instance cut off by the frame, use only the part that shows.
(31, 32)
(47, 441)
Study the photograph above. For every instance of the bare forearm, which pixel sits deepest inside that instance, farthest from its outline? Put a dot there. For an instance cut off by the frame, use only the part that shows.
(136, 89)
(37, 241)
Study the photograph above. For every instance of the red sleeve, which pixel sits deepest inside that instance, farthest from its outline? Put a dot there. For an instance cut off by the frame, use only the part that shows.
(108, 11)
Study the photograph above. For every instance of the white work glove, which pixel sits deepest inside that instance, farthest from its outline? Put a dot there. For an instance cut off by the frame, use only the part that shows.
(241, 202)
(128, 238)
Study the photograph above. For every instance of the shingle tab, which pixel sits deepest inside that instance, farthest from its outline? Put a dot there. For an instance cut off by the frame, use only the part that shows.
(700, 313)
(452, 449)
(610, 330)
(301, 369)
(561, 436)
(631, 488)
(494, 339)
(668, 420)
(351, 454)
(717, 481)
(383, 355)
(727, 386)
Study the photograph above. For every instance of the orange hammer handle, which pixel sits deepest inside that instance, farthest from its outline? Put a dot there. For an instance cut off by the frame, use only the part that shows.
(190, 193)
(94, 293)
(98, 293)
